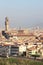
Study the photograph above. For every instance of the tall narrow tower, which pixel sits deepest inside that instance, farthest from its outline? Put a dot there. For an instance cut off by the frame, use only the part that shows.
(6, 24)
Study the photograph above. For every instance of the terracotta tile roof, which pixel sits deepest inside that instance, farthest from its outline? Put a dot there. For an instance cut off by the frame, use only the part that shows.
(32, 48)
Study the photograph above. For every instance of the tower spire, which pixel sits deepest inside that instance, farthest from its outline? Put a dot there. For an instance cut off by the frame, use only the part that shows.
(6, 23)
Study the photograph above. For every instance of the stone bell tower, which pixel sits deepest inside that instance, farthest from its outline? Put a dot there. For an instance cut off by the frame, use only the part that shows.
(6, 24)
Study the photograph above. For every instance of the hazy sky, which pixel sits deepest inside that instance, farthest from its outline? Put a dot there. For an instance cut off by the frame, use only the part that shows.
(22, 13)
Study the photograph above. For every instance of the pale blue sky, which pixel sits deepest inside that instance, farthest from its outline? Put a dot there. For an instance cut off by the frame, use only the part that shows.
(22, 13)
